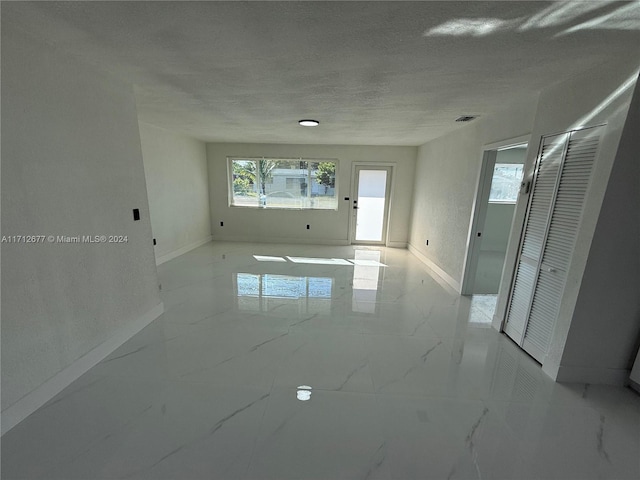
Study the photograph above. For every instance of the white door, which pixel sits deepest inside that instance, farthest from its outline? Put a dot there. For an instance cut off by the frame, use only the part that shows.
(370, 204)
(554, 212)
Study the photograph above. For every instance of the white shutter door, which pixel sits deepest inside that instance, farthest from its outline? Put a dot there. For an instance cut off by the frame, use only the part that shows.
(558, 248)
(534, 232)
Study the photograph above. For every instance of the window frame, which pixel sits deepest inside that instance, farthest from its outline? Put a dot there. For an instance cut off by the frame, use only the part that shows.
(230, 196)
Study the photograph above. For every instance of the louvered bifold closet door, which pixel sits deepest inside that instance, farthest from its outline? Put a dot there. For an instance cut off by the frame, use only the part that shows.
(543, 190)
(564, 222)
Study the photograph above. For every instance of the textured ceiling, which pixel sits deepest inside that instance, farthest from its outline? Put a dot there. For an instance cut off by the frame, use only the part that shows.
(392, 73)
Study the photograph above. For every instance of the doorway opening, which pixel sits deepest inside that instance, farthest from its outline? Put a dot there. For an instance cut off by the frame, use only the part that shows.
(370, 204)
(497, 195)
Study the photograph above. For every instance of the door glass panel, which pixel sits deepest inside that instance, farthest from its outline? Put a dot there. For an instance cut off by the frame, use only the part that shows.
(372, 185)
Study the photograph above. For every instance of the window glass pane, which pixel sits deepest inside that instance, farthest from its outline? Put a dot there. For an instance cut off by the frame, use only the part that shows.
(245, 183)
(285, 184)
(506, 182)
(323, 185)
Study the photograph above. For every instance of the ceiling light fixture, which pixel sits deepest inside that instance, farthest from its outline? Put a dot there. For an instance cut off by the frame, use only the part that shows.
(309, 123)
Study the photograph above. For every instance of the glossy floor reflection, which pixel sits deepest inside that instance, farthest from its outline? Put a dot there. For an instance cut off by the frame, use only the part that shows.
(361, 366)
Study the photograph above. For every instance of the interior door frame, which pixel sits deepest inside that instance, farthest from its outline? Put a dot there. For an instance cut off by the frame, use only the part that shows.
(355, 167)
(481, 206)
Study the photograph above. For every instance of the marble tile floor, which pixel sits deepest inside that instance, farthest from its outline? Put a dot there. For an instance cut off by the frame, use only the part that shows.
(482, 309)
(274, 368)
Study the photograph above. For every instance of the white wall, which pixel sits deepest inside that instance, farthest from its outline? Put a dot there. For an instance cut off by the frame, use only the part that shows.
(635, 374)
(178, 187)
(497, 226)
(604, 335)
(493, 248)
(71, 165)
(515, 155)
(446, 177)
(326, 226)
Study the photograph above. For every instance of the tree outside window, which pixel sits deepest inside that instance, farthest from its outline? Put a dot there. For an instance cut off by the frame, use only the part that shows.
(283, 183)
(326, 175)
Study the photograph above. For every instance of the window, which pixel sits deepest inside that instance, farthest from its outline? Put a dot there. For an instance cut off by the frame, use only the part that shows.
(506, 183)
(283, 183)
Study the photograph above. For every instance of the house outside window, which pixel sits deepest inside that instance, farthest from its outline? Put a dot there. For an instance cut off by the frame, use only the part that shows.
(283, 183)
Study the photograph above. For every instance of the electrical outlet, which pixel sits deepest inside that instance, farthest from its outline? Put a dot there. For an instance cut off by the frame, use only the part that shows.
(426, 242)
(222, 224)
(307, 227)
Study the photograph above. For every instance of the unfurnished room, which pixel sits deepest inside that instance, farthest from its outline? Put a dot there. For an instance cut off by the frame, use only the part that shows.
(320, 240)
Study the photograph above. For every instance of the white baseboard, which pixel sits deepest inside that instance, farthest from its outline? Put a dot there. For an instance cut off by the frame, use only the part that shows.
(35, 399)
(397, 244)
(182, 250)
(284, 240)
(595, 376)
(298, 240)
(450, 281)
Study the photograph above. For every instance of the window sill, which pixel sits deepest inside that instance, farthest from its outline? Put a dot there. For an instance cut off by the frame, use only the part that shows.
(248, 207)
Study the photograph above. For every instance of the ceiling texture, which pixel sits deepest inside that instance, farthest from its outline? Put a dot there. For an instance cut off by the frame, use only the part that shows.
(372, 73)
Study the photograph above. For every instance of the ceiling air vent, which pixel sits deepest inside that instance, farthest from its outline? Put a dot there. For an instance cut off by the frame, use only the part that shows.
(465, 118)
